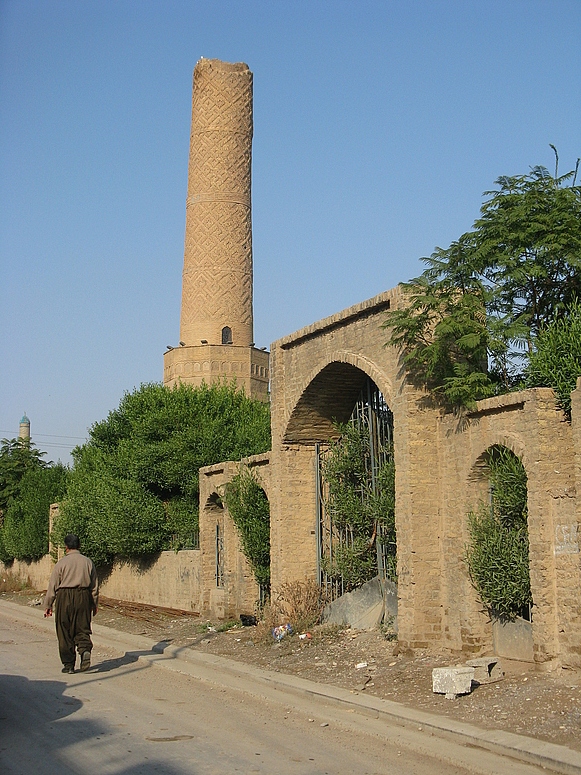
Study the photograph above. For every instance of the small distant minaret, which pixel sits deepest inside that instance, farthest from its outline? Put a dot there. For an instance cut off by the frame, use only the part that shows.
(24, 429)
(216, 329)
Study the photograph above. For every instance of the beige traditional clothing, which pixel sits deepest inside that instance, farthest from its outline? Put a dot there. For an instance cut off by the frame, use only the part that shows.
(74, 586)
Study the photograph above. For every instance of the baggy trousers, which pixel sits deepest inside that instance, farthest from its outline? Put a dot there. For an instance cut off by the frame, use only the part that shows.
(73, 610)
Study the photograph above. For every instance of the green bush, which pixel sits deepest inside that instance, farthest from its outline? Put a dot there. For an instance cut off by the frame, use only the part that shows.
(17, 457)
(361, 514)
(182, 525)
(112, 516)
(134, 485)
(497, 554)
(250, 511)
(556, 359)
(25, 528)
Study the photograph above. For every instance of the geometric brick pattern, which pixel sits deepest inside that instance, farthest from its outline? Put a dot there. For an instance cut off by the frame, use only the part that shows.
(217, 276)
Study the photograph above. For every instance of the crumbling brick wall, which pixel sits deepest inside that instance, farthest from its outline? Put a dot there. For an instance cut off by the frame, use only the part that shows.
(316, 375)
(236, 591)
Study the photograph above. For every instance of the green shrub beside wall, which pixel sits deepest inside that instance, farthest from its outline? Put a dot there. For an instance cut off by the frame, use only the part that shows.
(497, 554)
(134, 486)
(250, 511)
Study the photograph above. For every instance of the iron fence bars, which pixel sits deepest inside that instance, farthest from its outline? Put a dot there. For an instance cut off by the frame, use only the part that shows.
(219, 556)
(373, 417)
(263, 595)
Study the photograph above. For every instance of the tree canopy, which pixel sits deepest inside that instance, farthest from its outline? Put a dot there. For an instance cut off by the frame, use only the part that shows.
(556, 358)
(475, 313)
(134, 484)
(28, 485)
(17, 456)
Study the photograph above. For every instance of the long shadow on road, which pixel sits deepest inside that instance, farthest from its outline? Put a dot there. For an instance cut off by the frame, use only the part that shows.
(39, 734)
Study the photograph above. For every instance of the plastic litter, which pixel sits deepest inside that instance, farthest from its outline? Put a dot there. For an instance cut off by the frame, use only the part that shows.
(278, 633)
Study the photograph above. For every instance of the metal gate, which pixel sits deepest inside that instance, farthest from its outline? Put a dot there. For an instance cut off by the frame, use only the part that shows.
(373, 416)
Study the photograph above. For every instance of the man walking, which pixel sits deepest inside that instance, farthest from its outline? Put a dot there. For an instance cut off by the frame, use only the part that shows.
(74, 585)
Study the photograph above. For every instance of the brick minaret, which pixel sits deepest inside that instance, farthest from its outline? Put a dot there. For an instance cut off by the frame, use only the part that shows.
(216, 331)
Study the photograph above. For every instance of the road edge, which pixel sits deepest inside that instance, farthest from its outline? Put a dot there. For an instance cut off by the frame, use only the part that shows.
(557, 758)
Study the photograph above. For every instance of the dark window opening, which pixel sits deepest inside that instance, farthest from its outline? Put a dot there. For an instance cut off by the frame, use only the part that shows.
(226, 335)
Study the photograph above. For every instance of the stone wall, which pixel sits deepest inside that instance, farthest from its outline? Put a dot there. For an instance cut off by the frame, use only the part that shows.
(34, 573)
(530, 424)
(228, 584)
(316, 376)
(172, 580)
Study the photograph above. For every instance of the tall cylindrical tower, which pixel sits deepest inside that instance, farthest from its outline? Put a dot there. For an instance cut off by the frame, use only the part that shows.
(24, 428)
(217, 277)
(216, 329)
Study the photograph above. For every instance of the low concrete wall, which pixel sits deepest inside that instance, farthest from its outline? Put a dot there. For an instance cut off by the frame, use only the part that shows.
(36, 573)
(173, 580)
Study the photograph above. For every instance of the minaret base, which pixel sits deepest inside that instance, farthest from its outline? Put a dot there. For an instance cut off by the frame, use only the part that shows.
(211, 363)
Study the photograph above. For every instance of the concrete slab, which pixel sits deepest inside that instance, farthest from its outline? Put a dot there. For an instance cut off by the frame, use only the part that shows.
(363, 608)
(452, 681)
(487, 670)
(513, 640)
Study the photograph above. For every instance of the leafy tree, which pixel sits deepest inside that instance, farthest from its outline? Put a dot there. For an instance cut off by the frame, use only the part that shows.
(250, 511)
(497, 554)
(17, 457)
(556, 358)
(26, 521)
(475, 312)
(134, 485)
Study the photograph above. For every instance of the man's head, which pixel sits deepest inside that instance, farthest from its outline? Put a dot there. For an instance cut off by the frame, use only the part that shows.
(72, 541)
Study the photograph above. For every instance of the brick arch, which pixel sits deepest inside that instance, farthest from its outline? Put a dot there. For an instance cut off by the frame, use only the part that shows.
(264, 485)
(212, 505)
(328, 395)
(510, 441)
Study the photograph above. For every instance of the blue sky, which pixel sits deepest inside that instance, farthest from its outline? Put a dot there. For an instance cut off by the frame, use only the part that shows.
(378, 125)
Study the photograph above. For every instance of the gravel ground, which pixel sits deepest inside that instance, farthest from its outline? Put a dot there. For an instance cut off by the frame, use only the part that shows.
(527, 701)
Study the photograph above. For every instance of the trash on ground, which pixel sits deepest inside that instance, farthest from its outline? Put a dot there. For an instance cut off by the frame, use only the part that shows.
(278, 633)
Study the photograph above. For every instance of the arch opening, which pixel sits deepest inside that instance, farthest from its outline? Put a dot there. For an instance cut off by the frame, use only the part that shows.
(249, 509)
(215, 508)
(356, 492)
(498, 545)
(327, 401)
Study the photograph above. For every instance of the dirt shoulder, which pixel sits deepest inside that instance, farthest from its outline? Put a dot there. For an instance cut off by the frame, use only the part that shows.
(527, 701)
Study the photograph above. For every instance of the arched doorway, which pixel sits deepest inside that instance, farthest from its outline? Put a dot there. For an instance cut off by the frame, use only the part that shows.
(344, 417)
(249, 509)
(215, 511)
(356, 498)
(497, 553)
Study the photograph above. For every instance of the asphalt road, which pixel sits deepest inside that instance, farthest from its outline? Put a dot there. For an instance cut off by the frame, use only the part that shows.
(127, 716)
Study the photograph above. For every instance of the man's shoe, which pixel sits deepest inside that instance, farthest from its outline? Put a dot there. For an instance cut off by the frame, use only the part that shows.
(68, 669)
(85, 661)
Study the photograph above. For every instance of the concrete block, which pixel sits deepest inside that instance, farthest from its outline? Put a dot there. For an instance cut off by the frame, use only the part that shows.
(486, 669)
(452, 681)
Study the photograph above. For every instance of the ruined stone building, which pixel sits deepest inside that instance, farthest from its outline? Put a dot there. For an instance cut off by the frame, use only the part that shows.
(316, 375)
